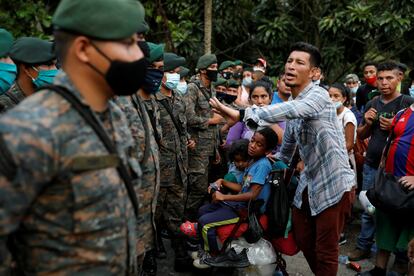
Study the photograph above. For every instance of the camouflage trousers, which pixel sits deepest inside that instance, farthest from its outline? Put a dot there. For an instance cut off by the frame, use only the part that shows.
(198, 164)
(170, 205)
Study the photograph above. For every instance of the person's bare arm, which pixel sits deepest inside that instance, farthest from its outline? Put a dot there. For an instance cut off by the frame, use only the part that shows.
(255, 191)
(349, 136)
(364, 131)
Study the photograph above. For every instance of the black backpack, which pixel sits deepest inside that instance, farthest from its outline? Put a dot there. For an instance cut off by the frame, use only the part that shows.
(282, 192)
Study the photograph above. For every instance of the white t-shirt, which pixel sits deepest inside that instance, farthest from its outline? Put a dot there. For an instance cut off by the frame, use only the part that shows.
(345, 117)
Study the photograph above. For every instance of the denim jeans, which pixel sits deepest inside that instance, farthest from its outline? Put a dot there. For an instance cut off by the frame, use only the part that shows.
(366, 236)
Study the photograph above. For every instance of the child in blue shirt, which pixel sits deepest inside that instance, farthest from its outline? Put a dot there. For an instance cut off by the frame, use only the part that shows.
(239, 158)
(222, 210)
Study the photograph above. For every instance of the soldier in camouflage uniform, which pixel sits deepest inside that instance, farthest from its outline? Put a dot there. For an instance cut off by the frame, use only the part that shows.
(202, 126)
(65, 209)
(8, 69)
(173, 158)
(34, 59)
(140, 122)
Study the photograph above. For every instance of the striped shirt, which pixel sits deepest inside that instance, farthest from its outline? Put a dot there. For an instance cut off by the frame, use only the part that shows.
(312, 125)
(400, 160)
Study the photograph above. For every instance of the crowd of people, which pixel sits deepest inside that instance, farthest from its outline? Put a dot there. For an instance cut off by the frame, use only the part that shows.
(109, 145)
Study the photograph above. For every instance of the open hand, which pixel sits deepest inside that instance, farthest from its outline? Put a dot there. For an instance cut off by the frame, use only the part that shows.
(232, 116)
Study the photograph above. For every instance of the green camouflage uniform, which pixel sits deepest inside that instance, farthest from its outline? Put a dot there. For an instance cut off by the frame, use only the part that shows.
(173, 162)
(153, 111)
(140, 126)
(205, 136)
(11, 98)
(64, 208)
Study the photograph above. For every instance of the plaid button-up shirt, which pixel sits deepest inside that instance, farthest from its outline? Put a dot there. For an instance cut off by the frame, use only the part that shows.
(312, 125)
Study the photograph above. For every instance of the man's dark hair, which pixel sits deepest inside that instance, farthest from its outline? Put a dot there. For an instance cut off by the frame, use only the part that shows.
(62, 43)
(402, 67)
(267, 85)
(240, 148)
(315, 56)
(344, 91)
(270, 137)
(370, 63)
(388, 66)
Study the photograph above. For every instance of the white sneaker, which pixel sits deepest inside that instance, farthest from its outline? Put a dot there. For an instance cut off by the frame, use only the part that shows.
(199, 263)
(197, 254)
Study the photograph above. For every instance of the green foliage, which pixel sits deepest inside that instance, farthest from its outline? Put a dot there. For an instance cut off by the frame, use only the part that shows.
(347, 32)
(27, 17)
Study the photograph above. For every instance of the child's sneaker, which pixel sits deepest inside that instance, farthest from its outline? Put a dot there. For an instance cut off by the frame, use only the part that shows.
(197, 254)
(189, 229)
(199, 262)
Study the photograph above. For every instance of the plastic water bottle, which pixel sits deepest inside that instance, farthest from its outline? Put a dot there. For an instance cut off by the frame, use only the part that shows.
(363, 199)
(343, 259)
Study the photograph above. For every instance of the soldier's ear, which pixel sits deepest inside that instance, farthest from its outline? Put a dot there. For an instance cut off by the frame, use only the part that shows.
(82, 48)
(28, 70)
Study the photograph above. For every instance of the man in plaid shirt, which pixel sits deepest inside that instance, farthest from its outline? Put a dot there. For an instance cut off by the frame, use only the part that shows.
(322, 198)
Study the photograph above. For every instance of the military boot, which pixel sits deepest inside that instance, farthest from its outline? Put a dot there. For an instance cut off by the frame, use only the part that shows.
(149, 265)
(183, 261)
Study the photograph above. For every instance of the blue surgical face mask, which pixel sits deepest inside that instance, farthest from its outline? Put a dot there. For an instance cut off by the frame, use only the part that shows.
(152, 81)
(411, 90)
(247, 81)
(172, 80)
(182, 87)
(337, 104)
(354, 89)
(45, 77)
(7, 76)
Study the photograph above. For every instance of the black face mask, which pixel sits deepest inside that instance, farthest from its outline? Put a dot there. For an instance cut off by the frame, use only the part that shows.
(230, 98)
(152, 81)
(227, 75)
(225, 97)
(221, 96)
(125, 78)
(212, 74)
(237, 75)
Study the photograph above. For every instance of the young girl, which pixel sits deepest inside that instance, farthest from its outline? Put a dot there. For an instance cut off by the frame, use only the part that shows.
(222, 210)
(261, 95)
(340, 96)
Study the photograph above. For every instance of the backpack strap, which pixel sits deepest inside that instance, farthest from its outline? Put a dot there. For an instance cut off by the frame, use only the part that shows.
(167, 107)
(138, 106)
(87, 114)
(202, 91)
(12, 97)
(153, 125)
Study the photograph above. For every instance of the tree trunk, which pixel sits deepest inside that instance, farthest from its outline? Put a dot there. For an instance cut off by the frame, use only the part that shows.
(208, 7)
(168, 37)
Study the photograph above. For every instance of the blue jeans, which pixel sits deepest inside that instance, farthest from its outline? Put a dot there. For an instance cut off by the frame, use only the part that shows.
(366, 236)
